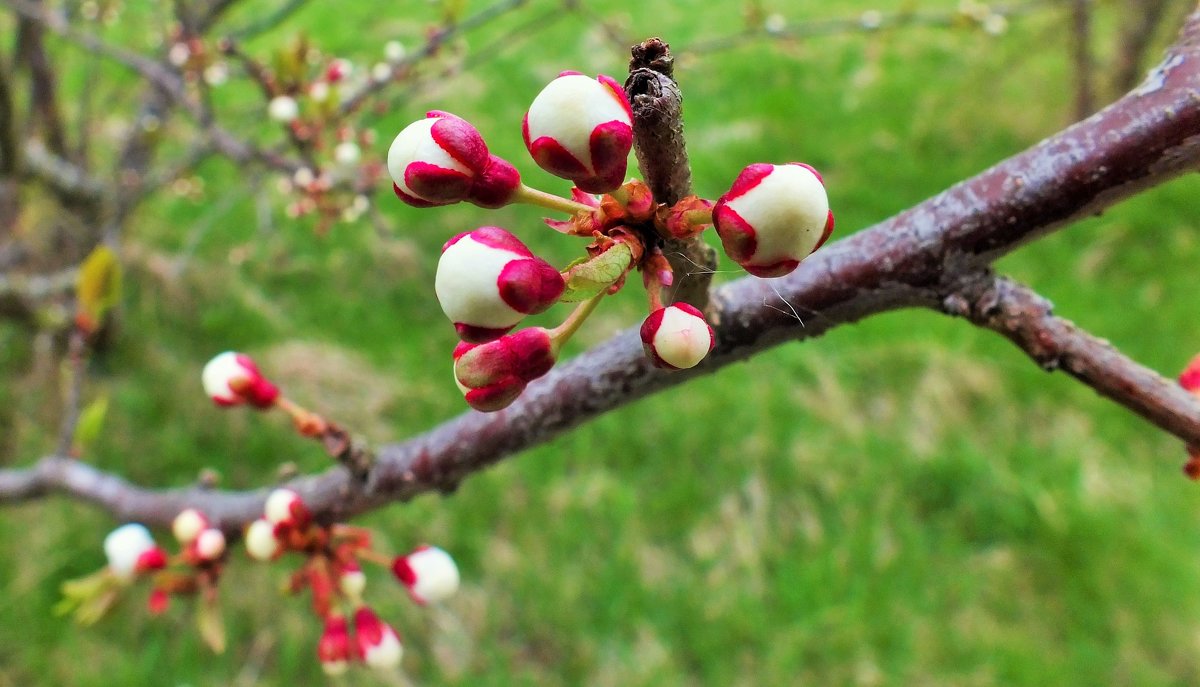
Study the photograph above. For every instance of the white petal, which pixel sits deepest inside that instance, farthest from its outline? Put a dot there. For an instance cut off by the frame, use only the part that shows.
(682, 339)
(788, 210)
(569, 108)
(466, 287)
(415, 143)
(218, 374)
(436, 573)
(124, 545)
(261, 543)
(387, 653)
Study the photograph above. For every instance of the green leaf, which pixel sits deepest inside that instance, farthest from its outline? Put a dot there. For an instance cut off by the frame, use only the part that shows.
(91, 422)
(590, 277)
(211, 625)
(98, 288)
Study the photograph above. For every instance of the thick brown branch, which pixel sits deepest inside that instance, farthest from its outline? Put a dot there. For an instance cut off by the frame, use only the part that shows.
(912, 260)
(1027, 319)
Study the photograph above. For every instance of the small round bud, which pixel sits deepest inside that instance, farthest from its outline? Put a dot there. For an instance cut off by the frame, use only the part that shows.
(581, 129)
(131, 550)
(188, 525)
(338, 69)
(261, 542)
(285, 507)
(378, 644)
(394, 51)
(677, 337)
(429, 573)
(487, 281)
(773, 217)
(210, 544)
(1189, 379)
(283, 109)
(347, 154)
(318, 92)
(232, 379)
(352, 581)
(442, 159)
(492, 375)
(334, 648)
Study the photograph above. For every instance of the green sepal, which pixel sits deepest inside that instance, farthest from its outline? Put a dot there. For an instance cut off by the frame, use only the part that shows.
(589, 277)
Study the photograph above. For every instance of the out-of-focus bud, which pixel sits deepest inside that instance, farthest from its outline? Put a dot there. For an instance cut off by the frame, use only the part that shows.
(188, 525)
(1189, 379)
(442, 159)
(261, 542)
(378, 644)
(232, 378)
(429, 573)
(773, 217)
(285, 507)
(131, 550)
(283, 109)
(352, 581)
(492, 375)
(347, 154)
(487, 281)
(677, 337)
(210, 544)
(334, 648)
(338, 70)
(581, 129)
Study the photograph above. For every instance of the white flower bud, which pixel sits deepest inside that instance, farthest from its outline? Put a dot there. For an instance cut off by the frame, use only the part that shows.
(429, 573)
(124, 547)
(261, 543)
(677, 337)
(283, 109)
(188, 525)
(210, 544)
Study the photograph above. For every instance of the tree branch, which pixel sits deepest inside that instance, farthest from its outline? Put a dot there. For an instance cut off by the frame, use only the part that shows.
(1027, 319)
(915, 259)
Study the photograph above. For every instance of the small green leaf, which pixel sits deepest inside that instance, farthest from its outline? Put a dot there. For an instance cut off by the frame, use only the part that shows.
(98, 288)
(91, 422)
(211, 625)
(590, 277)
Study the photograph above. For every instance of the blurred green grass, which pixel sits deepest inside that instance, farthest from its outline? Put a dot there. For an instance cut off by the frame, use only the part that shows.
(903, 501)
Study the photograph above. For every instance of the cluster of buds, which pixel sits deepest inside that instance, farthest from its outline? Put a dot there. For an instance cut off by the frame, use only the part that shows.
(132, 554)
(1189, 379)
(333, 574)
(581, 129)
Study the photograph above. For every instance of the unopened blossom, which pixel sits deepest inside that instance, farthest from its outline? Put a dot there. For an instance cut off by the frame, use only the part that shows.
(232, 378)
(283, 109)
(131, 550)
(581, 129)
(285, 507)
(429, 573)
(487, 281)
(188, 525)
(210, 544)
(261, 542)
(492, 375)
(442, 159)
(378, 644)
(334, 649)
(773, 217)
(677, 337)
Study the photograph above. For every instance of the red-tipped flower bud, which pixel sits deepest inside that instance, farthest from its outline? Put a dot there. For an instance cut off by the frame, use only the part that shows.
(334, 648)
(1189, 379)
(261, 542)
(677, 337)
(378, 644)
(773, 217)
(352, 581)
(442, 159)
(429, 573)
(492, 375)
(285, 507)
(581, 129)
(131, 550)
(210, 544)
(487, 281)
(188, 525)
(232, 378)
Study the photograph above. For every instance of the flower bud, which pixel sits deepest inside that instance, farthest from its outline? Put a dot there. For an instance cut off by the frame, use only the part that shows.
(429, 573)
(338, 69)
(492, 375)
(233, 378)
(773, 217)
(581, 129)
(442, 159)
(333, 649)
(487, 281)
(285, 507)
(210, 544)
(283, 109)
(352, 581)
(131, 550)
(1189, 379)
(261, 542)
(677, 337)
(378, 644)
(188, 525)
(347, 154)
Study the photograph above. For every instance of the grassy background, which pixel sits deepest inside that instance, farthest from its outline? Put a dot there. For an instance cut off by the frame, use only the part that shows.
(904, 501)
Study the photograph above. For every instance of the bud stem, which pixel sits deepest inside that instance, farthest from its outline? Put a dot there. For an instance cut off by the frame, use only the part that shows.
(307, 423)
(532, 196)
(561, 334)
